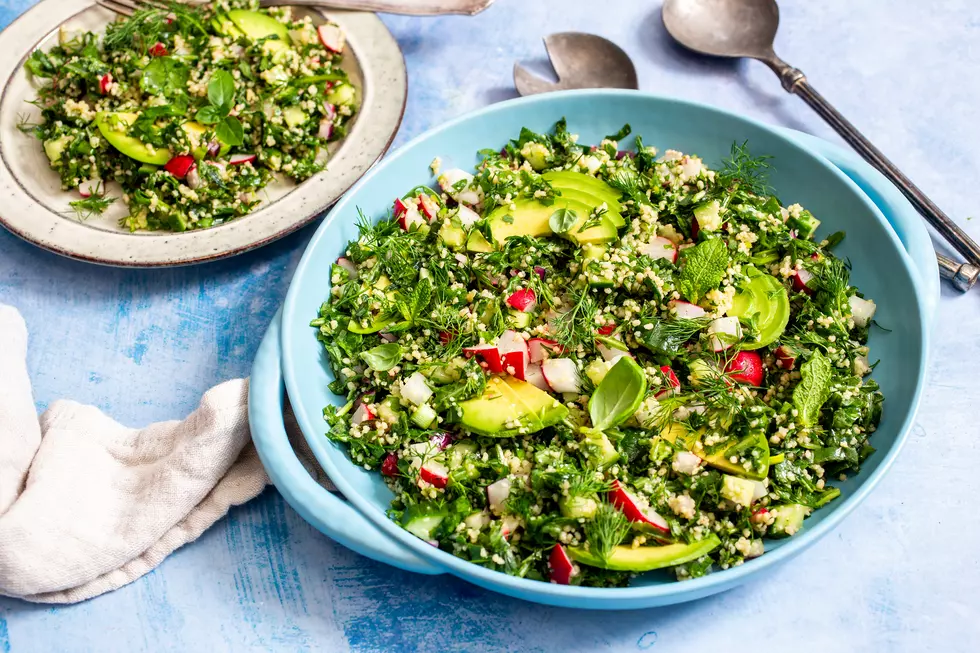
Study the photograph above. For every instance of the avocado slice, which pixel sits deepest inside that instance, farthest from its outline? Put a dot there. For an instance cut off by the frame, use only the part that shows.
(476, 242)
(591, 200)
(530, 218)
(257, 26)
(765, 299)
(721, 459)
(579, 181)
(452, 236)
(222, 25)
(115, 129)
(646, 558)
(510, 402)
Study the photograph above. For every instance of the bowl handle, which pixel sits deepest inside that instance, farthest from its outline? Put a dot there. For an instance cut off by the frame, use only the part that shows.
(896, 209)
(326, 511)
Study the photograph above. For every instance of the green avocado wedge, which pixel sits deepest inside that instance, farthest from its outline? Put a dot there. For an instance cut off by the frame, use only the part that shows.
(721, 459)
(646, 558)
(765, 300)
(508, 407)
(530, 217)
(579, 181)
(258, 26)
(115, 129)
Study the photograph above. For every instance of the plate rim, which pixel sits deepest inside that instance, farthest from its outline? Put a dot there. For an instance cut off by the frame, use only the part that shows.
(626, 597)
(56, 232)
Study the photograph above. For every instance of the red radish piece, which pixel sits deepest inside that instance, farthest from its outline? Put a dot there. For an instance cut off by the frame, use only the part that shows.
(348, 265)
(535, 377)
(561, 374)
(634, 510)
(325, 130)
(389, 466)
(606, 330)
(428, 206)
(363, 414)
(180, 165)
(331, 37)
(785, 357)
(862, 310)
(193, 178)
(434, 473)
(105, 83)
(560, 566)
(724, 332)
(673, 383)
(746, 367)
(90, 187)
(469, 194)
(508, 525)
(540, 271)
(408, 215)
(467, 216)
(801, 281)
(158, 50)
(400, 207)
(660, 248)
(610, 354)
(513, 353)
(541, 348)
(497, 493)
(488, 354)
(238, 159)
(687, 310)
(415, 389)
(523, 300)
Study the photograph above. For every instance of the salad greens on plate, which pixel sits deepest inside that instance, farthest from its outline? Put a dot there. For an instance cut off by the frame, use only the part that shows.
(585, 362)
(192, 109)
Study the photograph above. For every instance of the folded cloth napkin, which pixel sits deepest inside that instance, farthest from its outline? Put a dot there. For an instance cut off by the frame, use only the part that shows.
(88, 505)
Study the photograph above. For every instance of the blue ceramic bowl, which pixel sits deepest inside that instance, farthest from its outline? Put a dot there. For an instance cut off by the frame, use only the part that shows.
(902, 279)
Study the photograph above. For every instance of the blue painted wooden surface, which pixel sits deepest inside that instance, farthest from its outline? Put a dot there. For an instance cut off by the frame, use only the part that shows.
(900, 575)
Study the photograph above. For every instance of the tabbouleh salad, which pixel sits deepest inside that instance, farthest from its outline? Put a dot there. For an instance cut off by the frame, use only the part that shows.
(191, 109)
(582, 363)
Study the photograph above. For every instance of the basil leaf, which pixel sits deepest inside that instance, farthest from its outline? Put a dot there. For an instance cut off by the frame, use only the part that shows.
(164, 75)
(383, 357)
(704, 268)
(618, 395)
(221, 91)
(208, 115)
(562, 220)
(229, 131)
(814, 388)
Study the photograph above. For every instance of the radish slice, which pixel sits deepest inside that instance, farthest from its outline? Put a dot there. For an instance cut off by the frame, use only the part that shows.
(611, 354)
(489, 355)
(801, 281)
(513, 353)
(434, 473)
(467, 216)
(415, 389)
(90, 187)
(105, 84)
(724, 332)
(389, 466)
(606, 330)
(497, 493)
(193, 178)
(862, 310)
(509, 524)
(331, 37)
(158, 50)
(468, 193)
(400, 207)
(660, 248)
(348, 265)
(541, 348)
(560, 566)
(687, 310)
(180, 165)
(746, 367)
(325, 130)
(686, 462)
(673, 383)
(535, 377)
(362, 414)
(523, 300)
(561, 374)
(428, 206)
(634, 510)
(238, 159)
(409, 218)
(785, 357)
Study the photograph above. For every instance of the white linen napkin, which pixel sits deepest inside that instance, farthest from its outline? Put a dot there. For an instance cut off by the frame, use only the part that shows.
(88, 505)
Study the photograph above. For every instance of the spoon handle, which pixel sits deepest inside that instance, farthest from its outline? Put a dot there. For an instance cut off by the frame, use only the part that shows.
(406, 7)
(795, 82)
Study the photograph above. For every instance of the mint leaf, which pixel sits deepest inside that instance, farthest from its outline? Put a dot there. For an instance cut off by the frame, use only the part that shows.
(229, 131)
(208, 115)
(704, 268)
(383, 357)
(221, 91)
(562, 220)
(618, 395)
(814, 388)
(164, 75)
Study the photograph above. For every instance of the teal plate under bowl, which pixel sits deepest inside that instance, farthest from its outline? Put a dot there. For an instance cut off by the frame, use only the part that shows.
(886, 243)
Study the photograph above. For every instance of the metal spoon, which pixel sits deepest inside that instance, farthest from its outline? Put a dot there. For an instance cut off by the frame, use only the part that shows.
(581, 61)
(747, 28)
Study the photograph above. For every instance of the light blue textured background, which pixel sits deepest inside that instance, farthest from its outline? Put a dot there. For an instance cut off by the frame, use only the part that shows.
(900, 575)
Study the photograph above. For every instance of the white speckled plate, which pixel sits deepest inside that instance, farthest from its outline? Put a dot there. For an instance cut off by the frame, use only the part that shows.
(33, 206)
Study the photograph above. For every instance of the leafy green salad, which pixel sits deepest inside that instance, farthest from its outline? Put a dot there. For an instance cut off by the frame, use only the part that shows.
(192, 110)
(584, 362)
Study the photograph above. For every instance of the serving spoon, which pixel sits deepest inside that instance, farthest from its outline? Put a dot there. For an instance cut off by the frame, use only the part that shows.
(747, 28)
(405, 7)
(581, 61)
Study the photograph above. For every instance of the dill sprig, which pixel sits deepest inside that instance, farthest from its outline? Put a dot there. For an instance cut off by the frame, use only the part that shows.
(89, 206)
(146, 26)
(577, 325)
(744, 171)
(607, 529)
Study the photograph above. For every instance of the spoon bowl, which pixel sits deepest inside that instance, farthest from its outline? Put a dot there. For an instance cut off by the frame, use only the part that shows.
(724, 28)
(581, 61)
